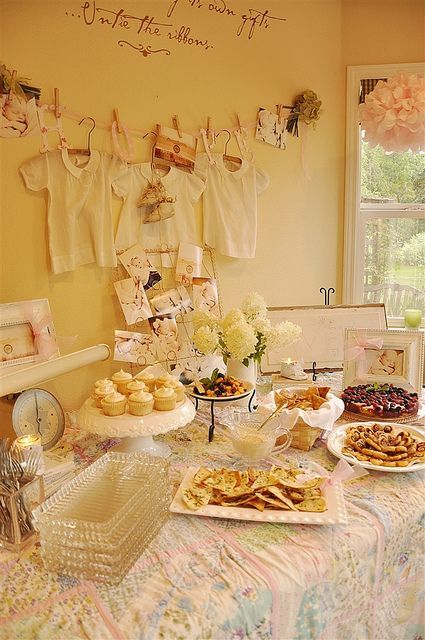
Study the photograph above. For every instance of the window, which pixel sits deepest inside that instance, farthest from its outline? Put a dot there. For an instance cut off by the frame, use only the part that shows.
(385, 211)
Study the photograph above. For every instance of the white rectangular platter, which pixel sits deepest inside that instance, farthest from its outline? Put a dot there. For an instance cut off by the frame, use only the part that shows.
(333, 494)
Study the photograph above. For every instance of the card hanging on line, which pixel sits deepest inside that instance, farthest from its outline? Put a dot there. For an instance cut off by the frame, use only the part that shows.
(172, 302)
(166, 338)
(133, 300)
(131, 346)
(271, 129)
(189, 263)
(139, 267)
(172, 149)
(205, 295)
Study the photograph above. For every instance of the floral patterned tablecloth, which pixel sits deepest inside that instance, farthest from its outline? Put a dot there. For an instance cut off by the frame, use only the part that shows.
(218, 579)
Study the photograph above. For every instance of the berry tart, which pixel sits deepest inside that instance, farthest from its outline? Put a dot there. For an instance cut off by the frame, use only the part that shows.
(380, 401)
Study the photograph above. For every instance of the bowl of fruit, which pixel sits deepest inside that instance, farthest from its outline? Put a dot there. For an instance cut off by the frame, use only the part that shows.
(221, 387)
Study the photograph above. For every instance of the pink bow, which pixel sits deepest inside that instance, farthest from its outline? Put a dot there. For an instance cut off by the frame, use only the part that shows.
(43, 340)
(358, 351)
(343, 471)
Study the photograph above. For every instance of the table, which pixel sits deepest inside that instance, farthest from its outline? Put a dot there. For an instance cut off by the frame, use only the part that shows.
(228, 580)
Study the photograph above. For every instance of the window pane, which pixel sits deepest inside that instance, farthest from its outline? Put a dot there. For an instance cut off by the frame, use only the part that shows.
(392, 177)
(395, 263)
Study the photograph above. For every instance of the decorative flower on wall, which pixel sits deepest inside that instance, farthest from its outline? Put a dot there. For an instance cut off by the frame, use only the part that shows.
(306, 109)
(393, 114)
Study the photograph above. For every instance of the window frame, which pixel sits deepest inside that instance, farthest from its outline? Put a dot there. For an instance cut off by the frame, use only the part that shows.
(355, 216)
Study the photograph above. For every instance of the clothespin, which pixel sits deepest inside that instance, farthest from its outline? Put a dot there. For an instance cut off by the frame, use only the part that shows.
(239, 122)
(176, 125)
(117, 120)
(208, 127)
(279, 113)
(12, 83)
(57, 103)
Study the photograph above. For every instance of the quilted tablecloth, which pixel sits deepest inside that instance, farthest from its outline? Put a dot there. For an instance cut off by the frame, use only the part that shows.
(219, 579)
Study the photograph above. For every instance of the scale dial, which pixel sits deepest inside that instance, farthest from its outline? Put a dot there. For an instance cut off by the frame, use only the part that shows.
(38, 411)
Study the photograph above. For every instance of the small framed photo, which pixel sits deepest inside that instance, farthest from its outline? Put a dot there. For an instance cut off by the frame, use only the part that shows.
(385, 357)
(27, 333)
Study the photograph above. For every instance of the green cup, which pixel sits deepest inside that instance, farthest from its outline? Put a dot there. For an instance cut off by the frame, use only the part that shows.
(412, 318)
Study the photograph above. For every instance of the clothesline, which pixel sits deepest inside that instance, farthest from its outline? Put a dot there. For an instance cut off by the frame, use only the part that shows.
(73, 115)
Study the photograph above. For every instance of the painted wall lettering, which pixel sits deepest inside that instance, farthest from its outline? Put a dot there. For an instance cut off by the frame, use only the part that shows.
(164, 34)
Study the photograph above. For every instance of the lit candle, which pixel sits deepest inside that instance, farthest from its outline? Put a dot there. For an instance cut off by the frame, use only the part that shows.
(29, 443)
(412, 318)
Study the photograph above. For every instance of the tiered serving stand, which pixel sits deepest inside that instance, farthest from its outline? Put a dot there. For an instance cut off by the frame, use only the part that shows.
(136, 432)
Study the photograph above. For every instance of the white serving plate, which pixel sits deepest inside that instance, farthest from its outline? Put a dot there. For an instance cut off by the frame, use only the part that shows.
(250, 389)
(333, 494)
(335, 444)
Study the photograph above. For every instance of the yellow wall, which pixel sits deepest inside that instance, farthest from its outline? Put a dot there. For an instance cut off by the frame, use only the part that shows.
(299, 246)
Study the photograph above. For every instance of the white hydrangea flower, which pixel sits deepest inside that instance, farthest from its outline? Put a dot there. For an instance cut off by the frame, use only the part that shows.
(205, 339)
(203, 319)
(261, 325)
(234, 316)
(240, 340)
(254, 306)
(283, 334)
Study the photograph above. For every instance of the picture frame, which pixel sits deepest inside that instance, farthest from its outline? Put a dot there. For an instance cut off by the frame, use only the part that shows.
(323, 333)
(384, 357)
(27, 333)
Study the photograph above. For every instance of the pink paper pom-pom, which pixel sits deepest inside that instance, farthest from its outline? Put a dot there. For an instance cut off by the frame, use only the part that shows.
(393, 114)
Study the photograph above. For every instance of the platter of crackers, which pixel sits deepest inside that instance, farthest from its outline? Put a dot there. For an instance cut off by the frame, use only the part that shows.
(380, 446)
(278, 494)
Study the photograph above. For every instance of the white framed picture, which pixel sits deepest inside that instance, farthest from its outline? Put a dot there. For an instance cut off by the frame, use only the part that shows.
(384, 357)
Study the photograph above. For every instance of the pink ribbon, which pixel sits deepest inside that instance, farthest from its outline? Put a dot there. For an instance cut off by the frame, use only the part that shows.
(44, 341)
(358, 351)
(343, 472)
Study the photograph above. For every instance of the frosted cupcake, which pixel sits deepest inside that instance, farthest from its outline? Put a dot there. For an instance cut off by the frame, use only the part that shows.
(140, 403)
(114, 404)
(101, 391)
(102, 383)
(177, 387)
(147, 378)
(121, 379)
(135, 385)
(159, 382)
(165, 399)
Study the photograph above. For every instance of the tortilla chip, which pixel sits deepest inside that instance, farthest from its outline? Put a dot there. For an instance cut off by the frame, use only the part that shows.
(316, 505)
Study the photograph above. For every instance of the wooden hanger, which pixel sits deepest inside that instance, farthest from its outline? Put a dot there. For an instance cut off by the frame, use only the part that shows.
(87, 151)
(226, 157)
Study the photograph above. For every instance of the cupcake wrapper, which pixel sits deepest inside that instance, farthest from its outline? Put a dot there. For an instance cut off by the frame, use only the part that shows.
(165, 404)
(140, 408)
(116, 409)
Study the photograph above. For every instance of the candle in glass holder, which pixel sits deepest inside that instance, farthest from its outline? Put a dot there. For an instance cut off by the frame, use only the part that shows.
(412, 318)
(28, 444)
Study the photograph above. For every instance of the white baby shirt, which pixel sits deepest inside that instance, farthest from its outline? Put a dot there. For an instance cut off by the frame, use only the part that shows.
(185, 187)
(230, 205)
(80, 206)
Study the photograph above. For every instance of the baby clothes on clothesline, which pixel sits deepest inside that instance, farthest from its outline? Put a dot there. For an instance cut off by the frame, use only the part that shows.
(230, 205)
(185, 188)
(80, 206)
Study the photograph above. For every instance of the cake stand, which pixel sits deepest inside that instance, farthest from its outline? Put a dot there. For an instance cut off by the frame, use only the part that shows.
(136, 432)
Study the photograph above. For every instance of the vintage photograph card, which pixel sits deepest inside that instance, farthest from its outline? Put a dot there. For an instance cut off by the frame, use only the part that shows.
(166, 337)
(170, 148)
(139, 267)
(133, 300)
(189, 263)
(172, 302)
(271, 129)
(131, 346)
(205, 295)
